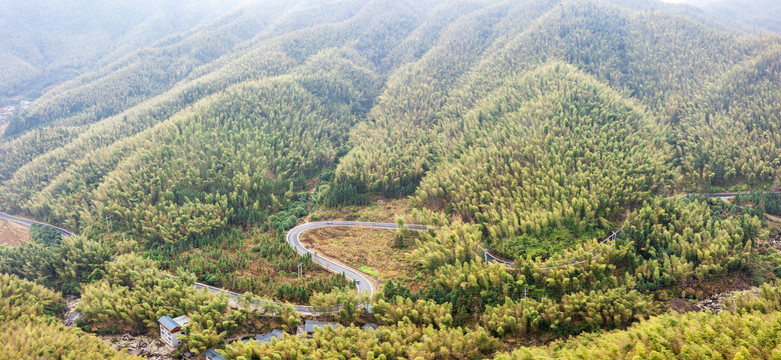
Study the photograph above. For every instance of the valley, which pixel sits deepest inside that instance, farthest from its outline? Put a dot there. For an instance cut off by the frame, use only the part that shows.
(437, 179)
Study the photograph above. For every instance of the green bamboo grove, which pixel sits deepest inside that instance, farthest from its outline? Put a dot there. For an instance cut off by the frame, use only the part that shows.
(527, 130)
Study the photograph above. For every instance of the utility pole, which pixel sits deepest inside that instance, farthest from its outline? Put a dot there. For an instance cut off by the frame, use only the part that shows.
(485, 256)
(524, 291)
(300, 269)
(108, 218)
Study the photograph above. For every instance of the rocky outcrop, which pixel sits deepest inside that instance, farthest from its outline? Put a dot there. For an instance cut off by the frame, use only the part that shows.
(143, 345)
(71, 313)
(716, 301)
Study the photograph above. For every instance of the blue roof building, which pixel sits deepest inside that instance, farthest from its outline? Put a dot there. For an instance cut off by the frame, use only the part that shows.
(169, 328)
(275, 334)
(212, 354)
(311, 325)
(168, 322)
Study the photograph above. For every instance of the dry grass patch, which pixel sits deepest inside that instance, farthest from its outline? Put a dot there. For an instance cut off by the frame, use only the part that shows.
(13, 234)
(369, 250)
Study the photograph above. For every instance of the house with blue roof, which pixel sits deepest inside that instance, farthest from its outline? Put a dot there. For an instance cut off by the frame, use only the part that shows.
(275, 334)
(311, 325)
(169, 328)
(369, 326)
(212, 354)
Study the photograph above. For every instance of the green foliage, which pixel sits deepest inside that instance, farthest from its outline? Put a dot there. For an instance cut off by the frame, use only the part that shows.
(573, 314)
(533, 128)
(747, 331)
(421, 313)
(134, 294)
(345, 300)
(397, 341)
(390, 291)
(24, 298)
(218, 261)
(65, 267)
(69, 39)
(667, 242)
(346, 194)
(48, 339)
(29, 329)
(552, 155)
(759, 203)
(675, 239)
(739, 116)
(178, 195)
(287, 314)
(45, 235)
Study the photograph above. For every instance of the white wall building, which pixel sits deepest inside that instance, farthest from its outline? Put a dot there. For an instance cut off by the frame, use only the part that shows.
(169, 328)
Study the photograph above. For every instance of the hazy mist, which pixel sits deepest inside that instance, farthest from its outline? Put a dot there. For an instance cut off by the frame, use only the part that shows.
(47, 42)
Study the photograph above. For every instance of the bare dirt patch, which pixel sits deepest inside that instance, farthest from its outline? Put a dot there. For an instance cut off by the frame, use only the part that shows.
(682, 306)
(369, 250)
(12, 233)
(149, 346)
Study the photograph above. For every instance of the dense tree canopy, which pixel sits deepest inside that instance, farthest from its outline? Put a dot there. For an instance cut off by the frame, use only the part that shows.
(29, 329)
(558, 135)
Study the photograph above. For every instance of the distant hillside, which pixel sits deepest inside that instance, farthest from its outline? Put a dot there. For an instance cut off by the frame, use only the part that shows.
(755, 15)
(418, 88)
(560, 135)
(45, 43)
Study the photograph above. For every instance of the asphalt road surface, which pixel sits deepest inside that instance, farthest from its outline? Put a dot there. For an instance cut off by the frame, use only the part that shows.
(364, 284)
(362, 281)
(28, 223)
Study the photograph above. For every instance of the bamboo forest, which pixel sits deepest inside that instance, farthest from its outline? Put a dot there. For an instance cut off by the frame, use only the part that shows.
(370, 179)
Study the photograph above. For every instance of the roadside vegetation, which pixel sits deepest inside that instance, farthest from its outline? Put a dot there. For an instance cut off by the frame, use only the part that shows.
(532, 129)
(29, 327)
(374, 252)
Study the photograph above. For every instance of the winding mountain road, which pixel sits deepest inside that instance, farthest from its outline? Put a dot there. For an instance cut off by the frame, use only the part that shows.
(364, 284)
(28, 223)
(488, 257)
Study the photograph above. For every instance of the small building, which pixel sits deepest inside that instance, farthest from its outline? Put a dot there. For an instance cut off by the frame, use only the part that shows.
(212, 354)
(169, 328)
(311, 325)
(275, 334)
(369, 326)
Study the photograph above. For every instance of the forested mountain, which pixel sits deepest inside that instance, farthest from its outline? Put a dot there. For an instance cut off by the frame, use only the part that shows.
(754, 15)
(46, 43)
(727, 136)
(531, 129)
